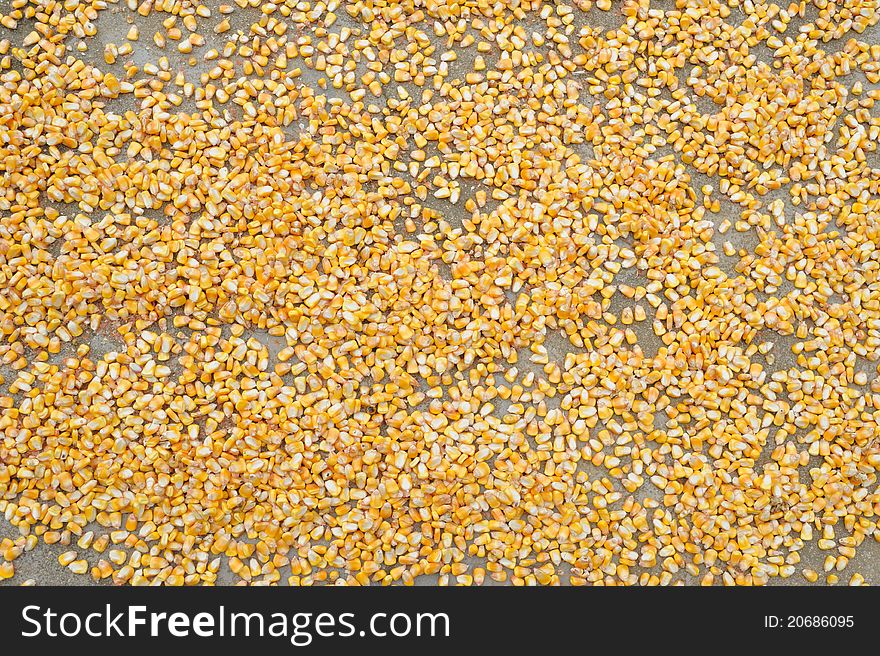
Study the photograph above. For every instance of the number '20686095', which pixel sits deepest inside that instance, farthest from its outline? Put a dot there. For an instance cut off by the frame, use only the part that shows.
(809, 621)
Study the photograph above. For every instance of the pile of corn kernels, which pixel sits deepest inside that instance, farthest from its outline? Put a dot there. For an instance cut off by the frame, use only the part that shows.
(462, 291)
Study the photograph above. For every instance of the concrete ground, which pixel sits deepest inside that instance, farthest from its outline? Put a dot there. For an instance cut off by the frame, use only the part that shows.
(41, 566)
